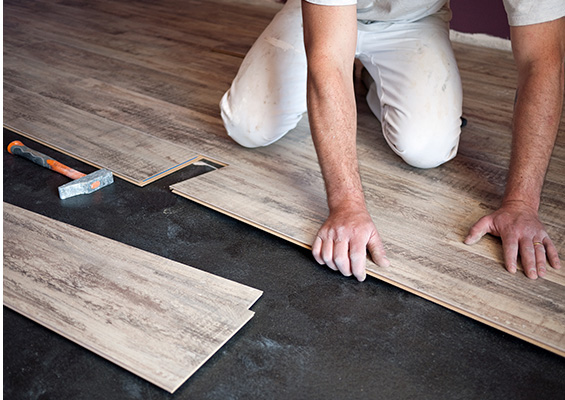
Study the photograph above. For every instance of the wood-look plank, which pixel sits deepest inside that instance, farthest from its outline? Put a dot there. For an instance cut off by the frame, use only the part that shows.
(156, 318)
(422, 215)
(140, 42)
(161, 68)
(424, 241)
(150, 67)
(180, 126)
(132, 155)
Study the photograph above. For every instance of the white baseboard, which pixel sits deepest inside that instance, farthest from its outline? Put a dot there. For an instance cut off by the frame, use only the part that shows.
(480, 39)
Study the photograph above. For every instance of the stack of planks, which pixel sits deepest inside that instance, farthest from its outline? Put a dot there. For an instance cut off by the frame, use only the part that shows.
(143, 80)
(154, 317)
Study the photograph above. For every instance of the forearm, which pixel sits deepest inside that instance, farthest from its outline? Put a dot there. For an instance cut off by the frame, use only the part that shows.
(536, 119)
(330, 35)
(539, 51)
(332, 115)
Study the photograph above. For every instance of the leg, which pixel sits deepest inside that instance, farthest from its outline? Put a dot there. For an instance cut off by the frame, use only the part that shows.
(416, 93)
(268, 96)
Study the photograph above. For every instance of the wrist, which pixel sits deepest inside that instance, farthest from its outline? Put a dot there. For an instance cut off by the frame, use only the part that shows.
(524, 193)
(518, 202)
(338, 203)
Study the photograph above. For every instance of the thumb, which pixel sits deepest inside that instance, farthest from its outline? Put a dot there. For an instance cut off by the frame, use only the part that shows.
(477, 231)
(377, 251)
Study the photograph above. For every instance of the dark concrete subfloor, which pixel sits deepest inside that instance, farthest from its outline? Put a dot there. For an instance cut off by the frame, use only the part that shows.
(315, 334)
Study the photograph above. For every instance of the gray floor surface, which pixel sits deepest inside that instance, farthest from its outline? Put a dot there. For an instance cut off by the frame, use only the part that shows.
(315, 334)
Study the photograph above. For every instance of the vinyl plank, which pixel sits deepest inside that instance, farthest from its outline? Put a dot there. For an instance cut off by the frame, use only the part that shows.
(423, 234)
(180, 90)
(148, 67)
(132, 155)
(164, 73)
(156, 318)
(175, 124)
(422, 215)
(151, 47)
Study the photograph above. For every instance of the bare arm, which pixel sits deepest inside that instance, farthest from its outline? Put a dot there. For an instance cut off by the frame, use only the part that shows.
(539, 51)
(330, 35)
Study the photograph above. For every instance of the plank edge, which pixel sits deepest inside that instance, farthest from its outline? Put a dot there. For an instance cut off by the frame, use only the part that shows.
(372, 273)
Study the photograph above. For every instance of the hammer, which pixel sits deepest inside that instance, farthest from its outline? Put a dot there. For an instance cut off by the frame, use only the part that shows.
(82, 183)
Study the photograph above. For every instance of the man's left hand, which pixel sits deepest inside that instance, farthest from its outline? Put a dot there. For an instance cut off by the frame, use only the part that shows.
(522, 234)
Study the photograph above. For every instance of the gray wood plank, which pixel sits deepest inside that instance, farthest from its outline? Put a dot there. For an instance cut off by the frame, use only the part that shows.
(130, 154)
(161, 67)
(106, 70)
(422, 215)
(157, 318)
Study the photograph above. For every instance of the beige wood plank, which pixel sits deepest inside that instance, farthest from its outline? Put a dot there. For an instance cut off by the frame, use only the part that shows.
(175, 124)
(422, 215)
(155, 317)
(141, 34)
(145, 66)
(423, 234)
(161, 68)
(129, 154)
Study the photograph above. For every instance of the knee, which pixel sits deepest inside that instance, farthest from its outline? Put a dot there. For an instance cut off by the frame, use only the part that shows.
(424, 144)
(252, 125)
(241, 125)
(429, 155)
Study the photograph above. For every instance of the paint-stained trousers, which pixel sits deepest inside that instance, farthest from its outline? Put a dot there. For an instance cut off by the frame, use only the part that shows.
(416, 93)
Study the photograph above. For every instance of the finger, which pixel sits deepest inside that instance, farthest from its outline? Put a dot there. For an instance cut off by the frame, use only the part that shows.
(377, 251)
(552, 255)
(477, 231)
(358, 259)
(328, 253)
(528, 258)
(541, 259)
(317, 250)
(341, 257)
(510, 252)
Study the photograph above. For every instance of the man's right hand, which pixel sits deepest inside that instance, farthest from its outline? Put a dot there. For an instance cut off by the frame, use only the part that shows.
(343, 240)
(330, 35)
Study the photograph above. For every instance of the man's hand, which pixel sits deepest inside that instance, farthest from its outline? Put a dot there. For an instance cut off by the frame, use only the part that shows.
(342, 242)
(522, 234)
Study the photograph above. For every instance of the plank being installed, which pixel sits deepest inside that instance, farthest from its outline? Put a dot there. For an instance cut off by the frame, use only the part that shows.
(154, 317)
(422, 215)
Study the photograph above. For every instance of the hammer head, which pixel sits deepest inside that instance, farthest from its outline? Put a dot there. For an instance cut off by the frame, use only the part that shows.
(87, 184)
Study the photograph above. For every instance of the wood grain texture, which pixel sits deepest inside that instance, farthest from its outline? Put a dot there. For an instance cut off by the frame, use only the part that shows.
(161, 67)
(156, 318)
(132, 155)
(114, 74)
(422, 215)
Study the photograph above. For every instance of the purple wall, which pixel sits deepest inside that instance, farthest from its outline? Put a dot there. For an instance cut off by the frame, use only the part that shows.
(480, 16)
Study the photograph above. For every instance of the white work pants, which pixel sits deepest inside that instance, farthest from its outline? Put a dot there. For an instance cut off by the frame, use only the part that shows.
(416, 93)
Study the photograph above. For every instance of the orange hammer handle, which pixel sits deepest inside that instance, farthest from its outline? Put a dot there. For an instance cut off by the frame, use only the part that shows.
(18, 148)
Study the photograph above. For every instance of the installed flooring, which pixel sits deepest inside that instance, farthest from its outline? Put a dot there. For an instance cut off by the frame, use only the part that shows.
(161, 69)
(124, 85)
